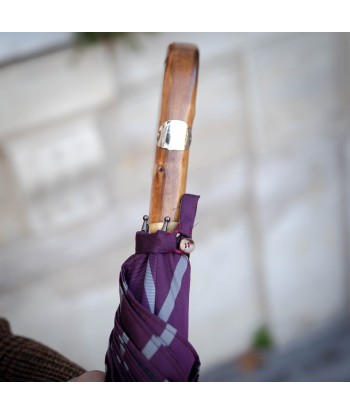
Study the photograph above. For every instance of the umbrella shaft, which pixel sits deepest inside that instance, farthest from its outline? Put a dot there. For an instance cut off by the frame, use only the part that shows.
(168, 184)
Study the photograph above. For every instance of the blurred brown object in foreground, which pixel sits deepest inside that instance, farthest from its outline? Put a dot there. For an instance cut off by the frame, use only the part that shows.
(25, 360)
(250, 361)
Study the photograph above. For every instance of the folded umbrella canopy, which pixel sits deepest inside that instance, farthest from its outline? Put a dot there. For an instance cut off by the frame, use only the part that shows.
(149, 340)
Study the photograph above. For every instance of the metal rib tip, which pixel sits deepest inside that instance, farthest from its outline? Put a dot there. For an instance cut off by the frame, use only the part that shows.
(145, 227)
(165, 224)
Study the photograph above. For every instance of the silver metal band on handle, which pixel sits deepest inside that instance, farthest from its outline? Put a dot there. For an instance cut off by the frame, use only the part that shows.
(174, 135)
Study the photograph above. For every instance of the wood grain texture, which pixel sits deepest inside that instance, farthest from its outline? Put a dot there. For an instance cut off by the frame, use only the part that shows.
(178, 103)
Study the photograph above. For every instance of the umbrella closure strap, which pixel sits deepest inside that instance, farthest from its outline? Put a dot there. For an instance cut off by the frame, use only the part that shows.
(163, 242)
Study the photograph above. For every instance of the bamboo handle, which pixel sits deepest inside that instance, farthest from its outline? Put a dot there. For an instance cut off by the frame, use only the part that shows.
(178, 103)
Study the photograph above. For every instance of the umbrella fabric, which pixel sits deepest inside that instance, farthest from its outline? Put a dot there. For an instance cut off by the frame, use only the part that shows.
(149, 341)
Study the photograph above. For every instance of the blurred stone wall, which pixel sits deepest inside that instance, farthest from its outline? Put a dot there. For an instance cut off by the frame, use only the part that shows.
(270, 159)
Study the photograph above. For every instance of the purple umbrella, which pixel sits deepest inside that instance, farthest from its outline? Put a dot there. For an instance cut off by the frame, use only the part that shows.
(149, 340)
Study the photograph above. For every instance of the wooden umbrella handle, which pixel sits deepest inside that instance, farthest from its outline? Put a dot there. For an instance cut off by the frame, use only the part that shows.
(178, 103)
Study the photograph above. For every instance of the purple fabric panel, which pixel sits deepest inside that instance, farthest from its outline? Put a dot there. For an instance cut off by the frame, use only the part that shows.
(163, 267)
(138, 264)
(142, 328)
(174, 362)
(137, 367)
(147, 346)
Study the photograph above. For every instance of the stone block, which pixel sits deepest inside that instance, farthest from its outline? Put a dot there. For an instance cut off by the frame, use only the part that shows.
(59, 173)
(141, 57)
(224, 309)
(293, 90)
(346, 201)
(16, 45)
(12, 221)
(280, 179)
(219, 131)
(45, 89)
(129, 130)
(303, 256)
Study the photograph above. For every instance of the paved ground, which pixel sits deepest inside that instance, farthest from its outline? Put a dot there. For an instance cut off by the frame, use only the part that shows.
(325, 357)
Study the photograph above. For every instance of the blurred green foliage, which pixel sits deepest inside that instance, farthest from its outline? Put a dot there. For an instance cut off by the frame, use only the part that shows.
(95, 37)
(262, 339)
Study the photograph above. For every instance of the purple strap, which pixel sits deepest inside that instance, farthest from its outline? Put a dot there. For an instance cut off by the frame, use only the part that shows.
(188, 211)
(161, 242)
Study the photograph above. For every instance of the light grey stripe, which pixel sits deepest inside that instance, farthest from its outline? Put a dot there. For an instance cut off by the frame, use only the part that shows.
(175, 286)
(150, 288)
(125, 338)
(122, 349)
(151, 347)
(156, 342)
(168, 335)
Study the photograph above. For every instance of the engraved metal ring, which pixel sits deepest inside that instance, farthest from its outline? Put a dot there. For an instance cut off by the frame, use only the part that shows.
(174, 135)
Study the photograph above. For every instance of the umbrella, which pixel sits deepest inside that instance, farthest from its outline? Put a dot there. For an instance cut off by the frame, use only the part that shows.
(149, 340)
